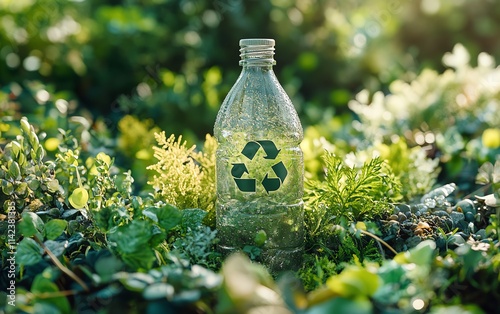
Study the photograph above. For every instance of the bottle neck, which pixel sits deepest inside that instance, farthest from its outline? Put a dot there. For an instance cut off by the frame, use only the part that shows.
(257, 55)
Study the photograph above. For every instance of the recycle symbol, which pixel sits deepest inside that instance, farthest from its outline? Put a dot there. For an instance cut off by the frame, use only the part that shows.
(269, 183)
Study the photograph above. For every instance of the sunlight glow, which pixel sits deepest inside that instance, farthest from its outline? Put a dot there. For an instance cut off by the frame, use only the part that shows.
(42, 96)
(32, 63)
(418, 304)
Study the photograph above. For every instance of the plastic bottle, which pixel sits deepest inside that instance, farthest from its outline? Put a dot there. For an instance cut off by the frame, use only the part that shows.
(259, 164)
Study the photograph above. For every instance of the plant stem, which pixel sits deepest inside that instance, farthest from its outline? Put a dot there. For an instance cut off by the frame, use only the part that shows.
(56, 294)
(380, 240)
(63, 268)
(476, 192)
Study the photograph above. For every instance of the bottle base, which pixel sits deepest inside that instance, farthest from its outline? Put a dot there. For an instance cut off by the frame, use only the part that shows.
(276, 260)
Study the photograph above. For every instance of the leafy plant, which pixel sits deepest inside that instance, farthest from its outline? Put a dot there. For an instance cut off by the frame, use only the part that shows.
(185, 177)
(27, 180)
(354, 192)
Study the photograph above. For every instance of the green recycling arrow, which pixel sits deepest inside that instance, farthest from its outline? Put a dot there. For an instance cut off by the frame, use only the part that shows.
(245, 185)
(280, 171)
(270, 149)
(272, 184)
(250, 150)
(238, 170)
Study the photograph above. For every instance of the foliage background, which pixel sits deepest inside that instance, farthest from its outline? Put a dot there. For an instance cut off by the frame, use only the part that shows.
(174, 61)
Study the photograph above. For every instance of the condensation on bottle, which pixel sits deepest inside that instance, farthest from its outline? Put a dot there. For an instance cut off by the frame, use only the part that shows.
(259, 164)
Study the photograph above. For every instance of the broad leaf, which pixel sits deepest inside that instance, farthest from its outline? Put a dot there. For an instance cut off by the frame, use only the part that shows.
(15, 171)
(106, 266)
(43, 285)
(79, 198)
(158, 290)
(359, 305)
(168, 216)
(143, 259)
(132, 237)
(28, 252)
(31, 224)
(54, 228)
(57, 248)
(354, 281)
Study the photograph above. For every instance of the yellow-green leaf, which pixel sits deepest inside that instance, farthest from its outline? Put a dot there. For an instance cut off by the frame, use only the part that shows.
(79, 198)
(104, 157)
(354, 281)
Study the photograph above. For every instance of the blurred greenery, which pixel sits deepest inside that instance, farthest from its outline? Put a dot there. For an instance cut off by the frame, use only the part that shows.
(174, 60)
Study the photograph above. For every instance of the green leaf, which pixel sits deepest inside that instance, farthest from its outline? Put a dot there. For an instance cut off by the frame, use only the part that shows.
(54, 228)
(150, 215)
(253, 251)
(359, 305)
(260, 238)
(158, 290)
(157, 236)
(34, 184)
(135, 281)
(133, 237)
(354, 281)
(79, 198)
(143, 259)
(107, 266)
(422, 254)
(53, 185)
(22, 190)
(471, 259)
(28, 252)
(45, 308)
(43, 285)
(168, 216)
(56, 247)
(191, 296)
(104, 158)
(15, 148)
(7, 187)
(14, 171)
(484, 173)
(25, 125)
(192, 218)
(31, 224)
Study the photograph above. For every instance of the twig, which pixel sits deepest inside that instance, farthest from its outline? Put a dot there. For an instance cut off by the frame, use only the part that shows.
(474, 193)
(380, 240)
(55, 294)
(63, 268)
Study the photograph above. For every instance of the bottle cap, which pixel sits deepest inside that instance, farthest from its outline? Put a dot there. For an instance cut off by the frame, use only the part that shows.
(256, 42)
(257, 51)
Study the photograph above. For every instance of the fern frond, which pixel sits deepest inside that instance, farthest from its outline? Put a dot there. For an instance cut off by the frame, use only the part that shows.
(356, 193)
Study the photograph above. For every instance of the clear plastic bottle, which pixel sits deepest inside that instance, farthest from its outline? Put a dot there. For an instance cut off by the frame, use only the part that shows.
(259, 165)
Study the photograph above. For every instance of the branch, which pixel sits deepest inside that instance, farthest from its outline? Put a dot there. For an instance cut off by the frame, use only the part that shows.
(379, 240)
(63, 268)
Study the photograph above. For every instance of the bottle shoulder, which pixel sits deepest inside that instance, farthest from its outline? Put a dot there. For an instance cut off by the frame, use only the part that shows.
(257, 103)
